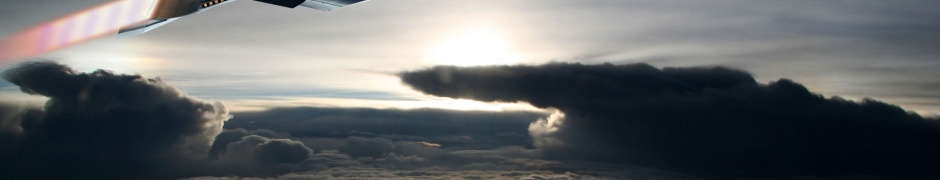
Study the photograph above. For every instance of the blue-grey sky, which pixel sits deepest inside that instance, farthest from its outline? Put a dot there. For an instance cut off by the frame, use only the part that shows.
(248, 54)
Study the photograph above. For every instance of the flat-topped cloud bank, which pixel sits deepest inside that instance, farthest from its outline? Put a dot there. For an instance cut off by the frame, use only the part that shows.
(716, 122)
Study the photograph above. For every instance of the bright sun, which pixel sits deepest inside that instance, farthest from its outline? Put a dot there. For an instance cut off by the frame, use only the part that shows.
(473, 47)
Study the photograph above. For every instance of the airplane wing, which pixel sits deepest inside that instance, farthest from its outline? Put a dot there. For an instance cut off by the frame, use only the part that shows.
(324, 5)
(124, 18)
(167, 11)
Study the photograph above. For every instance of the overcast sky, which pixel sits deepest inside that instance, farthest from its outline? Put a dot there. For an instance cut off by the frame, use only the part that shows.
(250, 54)
(646, 89)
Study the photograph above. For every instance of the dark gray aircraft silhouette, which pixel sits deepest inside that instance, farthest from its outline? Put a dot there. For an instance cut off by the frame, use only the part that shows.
(166, 11)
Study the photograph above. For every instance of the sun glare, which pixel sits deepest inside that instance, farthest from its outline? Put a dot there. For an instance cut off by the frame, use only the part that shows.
(472, 47)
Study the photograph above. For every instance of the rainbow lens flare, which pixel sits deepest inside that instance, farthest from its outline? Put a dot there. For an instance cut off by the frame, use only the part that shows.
(86, 25)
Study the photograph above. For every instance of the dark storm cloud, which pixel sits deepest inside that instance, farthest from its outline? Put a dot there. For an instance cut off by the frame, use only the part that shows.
(103, 125)
(14, 119)
(710, 121)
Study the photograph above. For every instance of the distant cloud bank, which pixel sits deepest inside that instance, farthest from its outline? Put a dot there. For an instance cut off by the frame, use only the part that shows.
(102, 125)
(611, 122)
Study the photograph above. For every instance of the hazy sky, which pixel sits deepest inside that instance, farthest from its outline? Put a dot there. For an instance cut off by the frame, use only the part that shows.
(248, 53)
(344, 94)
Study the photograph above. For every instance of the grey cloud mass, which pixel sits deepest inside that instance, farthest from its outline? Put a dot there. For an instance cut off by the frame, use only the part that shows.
(447, 128)
(714, 122)
(103, 125)
(256, 155)
(612, 121)
(351, 143)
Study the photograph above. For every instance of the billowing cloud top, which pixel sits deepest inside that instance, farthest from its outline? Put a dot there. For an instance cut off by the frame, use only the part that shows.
(708, 121)
(104, 125)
